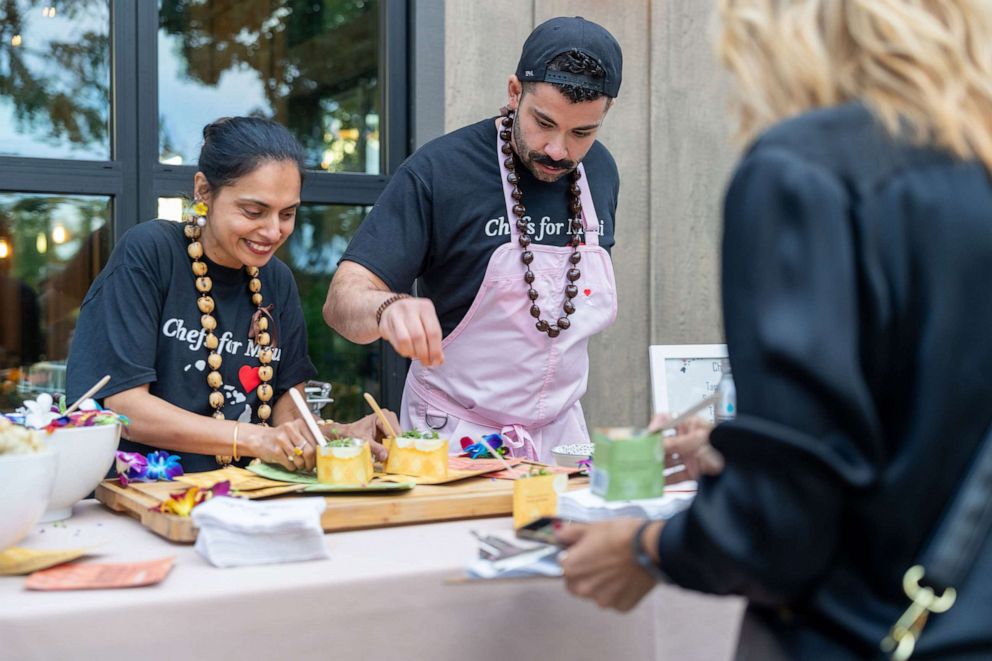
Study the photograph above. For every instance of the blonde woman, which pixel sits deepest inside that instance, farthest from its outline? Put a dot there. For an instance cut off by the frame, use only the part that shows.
(857, 258)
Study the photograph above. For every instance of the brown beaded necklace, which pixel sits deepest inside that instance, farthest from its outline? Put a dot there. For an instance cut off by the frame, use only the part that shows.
(208, 322)
(527, 256)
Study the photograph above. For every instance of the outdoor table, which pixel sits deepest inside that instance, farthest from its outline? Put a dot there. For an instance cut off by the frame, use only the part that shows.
(382, 594)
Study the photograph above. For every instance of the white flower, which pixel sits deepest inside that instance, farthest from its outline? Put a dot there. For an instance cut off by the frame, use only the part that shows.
(38, 413)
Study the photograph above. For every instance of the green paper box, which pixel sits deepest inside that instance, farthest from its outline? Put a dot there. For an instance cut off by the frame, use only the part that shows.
(627, 464)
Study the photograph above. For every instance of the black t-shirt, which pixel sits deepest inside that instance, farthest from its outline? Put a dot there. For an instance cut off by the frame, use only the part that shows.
(140, 324)
(443, 215)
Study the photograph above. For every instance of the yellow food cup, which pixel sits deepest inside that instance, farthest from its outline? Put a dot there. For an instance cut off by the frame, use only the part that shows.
(418, 457)
(345, 462)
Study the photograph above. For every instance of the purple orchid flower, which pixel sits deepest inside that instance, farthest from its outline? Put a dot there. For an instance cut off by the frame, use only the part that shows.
(131, 467)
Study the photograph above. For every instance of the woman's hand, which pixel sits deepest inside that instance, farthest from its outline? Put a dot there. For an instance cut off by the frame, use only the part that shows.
(370, 428)
(600, 565)
(690, 448)
(288, 444)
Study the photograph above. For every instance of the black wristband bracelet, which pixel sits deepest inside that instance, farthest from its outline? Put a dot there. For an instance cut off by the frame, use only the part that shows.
(642, 557)
(385, 304)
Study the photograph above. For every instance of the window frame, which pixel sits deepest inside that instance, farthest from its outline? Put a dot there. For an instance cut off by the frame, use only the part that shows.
(134, 178)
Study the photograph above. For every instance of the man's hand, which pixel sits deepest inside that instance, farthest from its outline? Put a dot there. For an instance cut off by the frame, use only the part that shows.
(370, 428)
(690, 447)
(599, 564)
(412, 327)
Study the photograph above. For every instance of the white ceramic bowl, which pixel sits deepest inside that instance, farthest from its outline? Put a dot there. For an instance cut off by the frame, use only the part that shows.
(85, 454)
(569, 456)
(25, 486)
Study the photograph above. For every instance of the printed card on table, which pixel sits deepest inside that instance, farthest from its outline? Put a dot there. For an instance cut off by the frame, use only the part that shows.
(78, 576)
(536, 496)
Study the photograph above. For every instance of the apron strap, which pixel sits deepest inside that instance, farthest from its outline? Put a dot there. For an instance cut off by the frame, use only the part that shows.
(590, 220)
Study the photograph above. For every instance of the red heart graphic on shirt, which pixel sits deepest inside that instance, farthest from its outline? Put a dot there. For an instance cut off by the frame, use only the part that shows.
(248, 376)
(587, 291)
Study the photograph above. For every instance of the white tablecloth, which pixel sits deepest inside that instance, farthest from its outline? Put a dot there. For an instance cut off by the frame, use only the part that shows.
(381, 595)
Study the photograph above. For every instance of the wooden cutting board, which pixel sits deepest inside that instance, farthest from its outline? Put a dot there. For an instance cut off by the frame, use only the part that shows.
(467, 499)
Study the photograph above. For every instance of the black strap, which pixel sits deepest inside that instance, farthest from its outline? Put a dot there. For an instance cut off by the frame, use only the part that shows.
(950, 553)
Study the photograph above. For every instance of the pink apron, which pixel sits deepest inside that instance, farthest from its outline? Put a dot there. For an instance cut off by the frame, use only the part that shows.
(500, 374)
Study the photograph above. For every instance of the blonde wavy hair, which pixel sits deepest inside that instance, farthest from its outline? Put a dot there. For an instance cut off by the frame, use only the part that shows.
(924, 67)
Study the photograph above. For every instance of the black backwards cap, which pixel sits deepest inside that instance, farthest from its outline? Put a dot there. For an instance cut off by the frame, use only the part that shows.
(559, 35)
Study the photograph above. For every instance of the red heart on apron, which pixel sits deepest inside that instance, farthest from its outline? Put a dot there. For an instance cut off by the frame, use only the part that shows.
(248, 376)
(587, 291)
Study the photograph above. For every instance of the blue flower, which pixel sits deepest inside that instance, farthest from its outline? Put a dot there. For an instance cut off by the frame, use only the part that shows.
(479, 451)
(163, 466)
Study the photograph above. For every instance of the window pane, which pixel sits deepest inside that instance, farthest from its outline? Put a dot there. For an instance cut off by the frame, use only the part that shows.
(55, 79)
(312, 252)
(51, 249)
(312, 65)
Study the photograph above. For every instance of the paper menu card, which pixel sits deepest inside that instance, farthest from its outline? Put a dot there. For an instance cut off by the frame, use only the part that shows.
(86, 576)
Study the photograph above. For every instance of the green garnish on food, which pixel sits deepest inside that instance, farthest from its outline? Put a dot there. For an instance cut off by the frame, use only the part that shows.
(416, 433)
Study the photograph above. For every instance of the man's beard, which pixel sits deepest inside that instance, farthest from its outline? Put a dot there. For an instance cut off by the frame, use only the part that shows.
(531, 157)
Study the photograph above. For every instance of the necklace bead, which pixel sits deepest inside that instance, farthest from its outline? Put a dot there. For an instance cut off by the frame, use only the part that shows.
(214, 380)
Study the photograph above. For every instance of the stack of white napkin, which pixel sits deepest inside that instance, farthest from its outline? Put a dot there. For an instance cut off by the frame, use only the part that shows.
(583, 506)
(236, 532)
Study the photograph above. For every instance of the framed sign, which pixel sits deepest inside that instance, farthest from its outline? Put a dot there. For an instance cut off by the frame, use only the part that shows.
(683, 374)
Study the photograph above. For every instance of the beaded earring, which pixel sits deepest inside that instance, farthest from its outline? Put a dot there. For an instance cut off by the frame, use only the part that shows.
(200, 213)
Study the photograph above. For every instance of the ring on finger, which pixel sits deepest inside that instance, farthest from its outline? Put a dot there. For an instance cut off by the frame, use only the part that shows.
(298, 451)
